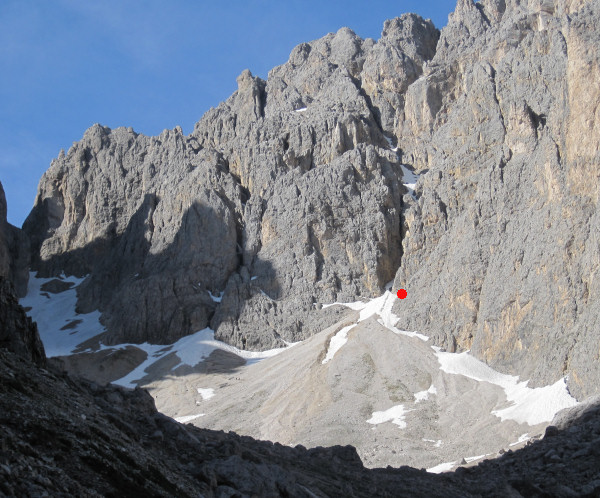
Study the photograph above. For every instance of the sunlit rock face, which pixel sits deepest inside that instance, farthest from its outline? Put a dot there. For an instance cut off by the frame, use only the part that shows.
(284, 196)
(501, 247)
(289, 194)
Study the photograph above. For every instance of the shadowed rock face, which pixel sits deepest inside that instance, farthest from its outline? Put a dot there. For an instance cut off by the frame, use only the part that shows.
(14, 251)
(18, 333)
(278, 210)
(287, 195)
(68, 437)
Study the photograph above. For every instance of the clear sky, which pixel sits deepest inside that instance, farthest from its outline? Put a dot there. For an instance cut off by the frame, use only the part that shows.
(148, 64)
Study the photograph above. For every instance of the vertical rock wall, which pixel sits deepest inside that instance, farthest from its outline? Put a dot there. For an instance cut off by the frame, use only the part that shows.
(287, 195)
(14, 251)
(502, 246)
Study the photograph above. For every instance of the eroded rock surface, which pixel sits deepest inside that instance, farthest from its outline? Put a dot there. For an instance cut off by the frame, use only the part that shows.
(501, 247)
(284, 196)
(287, 195)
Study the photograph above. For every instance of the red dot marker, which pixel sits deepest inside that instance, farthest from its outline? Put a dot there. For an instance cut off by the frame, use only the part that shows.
(401, 294)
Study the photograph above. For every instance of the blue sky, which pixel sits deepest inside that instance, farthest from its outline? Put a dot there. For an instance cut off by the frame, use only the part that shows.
(151, 65)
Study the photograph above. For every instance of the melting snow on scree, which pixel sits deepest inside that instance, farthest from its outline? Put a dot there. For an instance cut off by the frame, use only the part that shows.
(60, 328)
(62, 331)
(526, 405)
(424, 395)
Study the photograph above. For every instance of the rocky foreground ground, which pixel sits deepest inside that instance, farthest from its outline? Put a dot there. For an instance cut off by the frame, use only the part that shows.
(66, 437)
(63, 436)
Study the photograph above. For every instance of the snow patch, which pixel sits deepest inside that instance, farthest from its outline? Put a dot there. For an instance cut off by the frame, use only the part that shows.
(380, 306)
(474, 458)
(409, 180)
(336, 342)
(442, 467)
(61, 328)
(190, 350)
(528, 405)
(410, 177)
(522, 439)
(391, 144)
(395, 414)
(424, 395)
(206, 393)
(188, 418)
(437, 443)
(356, 305)
(218, 298)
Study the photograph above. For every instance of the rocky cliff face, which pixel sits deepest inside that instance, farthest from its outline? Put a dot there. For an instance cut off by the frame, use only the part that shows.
(14, 251)
(284, 196)
(287, 195)
(18, 333)
(501, 247)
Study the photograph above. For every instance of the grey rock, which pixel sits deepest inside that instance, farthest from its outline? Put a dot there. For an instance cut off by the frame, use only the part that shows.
(18, 333)
(277, 209)
(56, 286)
(286, 195)
(395, 62)
(345, 221)
(14, 251)
(153, 206)
(564, 419)
(501, 245)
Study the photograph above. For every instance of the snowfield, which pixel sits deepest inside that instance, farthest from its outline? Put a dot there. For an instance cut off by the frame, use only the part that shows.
(300, 394)
(395, 415)
(63, 331)
(527, 405)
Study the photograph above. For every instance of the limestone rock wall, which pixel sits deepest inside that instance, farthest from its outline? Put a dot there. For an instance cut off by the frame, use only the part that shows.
(502, 247)
(287, 195)
(284, 196)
